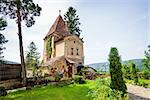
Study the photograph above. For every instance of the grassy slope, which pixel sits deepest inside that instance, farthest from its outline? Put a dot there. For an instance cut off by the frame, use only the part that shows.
(71, 92)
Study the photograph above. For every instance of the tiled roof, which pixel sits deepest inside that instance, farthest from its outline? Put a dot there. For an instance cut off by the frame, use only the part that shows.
(58, 27)
(54, 60)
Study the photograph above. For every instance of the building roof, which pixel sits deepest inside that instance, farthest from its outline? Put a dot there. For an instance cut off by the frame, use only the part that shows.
(52, 61)
(58, 27)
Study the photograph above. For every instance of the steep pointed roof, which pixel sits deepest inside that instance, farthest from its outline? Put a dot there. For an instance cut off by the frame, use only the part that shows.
(58, 27)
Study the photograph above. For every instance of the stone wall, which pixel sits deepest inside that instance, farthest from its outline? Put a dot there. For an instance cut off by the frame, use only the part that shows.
(73, 42)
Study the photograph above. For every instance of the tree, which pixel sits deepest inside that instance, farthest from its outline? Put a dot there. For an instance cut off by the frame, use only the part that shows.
(116, 74)
(134, 73)
(3, 24)
(2, 41)
(146, 60)
(126, 71)
(72, 21)
(20, 10)
(32, 58)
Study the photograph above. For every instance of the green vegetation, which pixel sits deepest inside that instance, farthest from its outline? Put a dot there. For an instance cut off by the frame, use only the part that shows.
(116, 74)
(130, 71)
(32, 58)
(72, 21)
(3, 24)
(49, 47)
(146, 60)
(137, 78)
(2, 42)
(102, 91)
(134, 73)
(79, 79)
(70, 92)
(20, 10)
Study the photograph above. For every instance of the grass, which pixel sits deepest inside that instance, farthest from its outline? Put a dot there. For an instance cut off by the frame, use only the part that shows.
(70, 92)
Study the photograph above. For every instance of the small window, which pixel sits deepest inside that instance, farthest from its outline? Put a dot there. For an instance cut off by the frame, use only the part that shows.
(74, 41)
(77, 51)
(71, 51)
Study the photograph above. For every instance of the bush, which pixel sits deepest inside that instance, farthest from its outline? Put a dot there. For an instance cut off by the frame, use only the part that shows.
(146, 74)
(64, 83)
(79, 80)
(102, 91)
(3, 91)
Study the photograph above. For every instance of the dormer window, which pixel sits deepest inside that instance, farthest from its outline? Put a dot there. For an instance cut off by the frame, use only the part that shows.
(77, 51)
(71, 51)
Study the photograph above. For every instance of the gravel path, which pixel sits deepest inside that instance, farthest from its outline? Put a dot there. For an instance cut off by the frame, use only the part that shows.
(138, 92)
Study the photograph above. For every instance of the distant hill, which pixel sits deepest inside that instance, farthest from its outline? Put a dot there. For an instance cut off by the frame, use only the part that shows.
(9, 62)
(105, 67)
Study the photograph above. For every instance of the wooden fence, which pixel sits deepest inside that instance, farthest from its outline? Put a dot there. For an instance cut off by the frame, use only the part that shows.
(10, 71)
(10, 75)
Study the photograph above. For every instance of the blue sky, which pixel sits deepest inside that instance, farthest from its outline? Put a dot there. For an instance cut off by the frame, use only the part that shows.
(105, 23)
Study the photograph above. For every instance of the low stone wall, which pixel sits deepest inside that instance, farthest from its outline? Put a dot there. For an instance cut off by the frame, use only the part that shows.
(11, 83)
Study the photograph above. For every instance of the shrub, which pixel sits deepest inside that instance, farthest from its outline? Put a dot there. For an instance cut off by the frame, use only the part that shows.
(116, 73)
(146, 74)
(64, 83)
(3, 91)
(102, 91)
(79, 80)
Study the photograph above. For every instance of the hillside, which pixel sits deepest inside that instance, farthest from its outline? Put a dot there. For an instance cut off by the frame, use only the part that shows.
(104, 65)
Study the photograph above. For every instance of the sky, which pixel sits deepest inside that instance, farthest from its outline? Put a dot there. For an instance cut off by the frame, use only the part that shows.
(105, 23)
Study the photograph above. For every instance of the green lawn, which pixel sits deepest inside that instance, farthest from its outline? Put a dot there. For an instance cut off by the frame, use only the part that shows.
(71, 92)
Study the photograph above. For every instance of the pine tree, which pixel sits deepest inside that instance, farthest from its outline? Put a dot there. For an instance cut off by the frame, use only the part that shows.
(20, 10)
(146, 60)
(72, 20)
(116, 74)
(32, 58)
(3, 24)
(2, 41)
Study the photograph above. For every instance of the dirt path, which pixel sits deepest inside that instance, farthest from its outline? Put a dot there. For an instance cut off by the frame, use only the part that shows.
(138, 92)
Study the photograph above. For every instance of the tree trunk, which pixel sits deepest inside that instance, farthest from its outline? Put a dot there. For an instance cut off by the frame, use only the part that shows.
(23, 71)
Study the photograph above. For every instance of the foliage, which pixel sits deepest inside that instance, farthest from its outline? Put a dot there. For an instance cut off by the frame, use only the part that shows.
(79, 79)
(58, 76)
(72, 21)
(32, 58)
(49, 47)
(146, 74)
(3, 92)
(20, 10)
(126, 71)
(146, 60)
(102, 91)
(3, 24)
(64, 83)
(116, 74)
(2, 41)
(26, 7)
(134, 73)
(141, 82)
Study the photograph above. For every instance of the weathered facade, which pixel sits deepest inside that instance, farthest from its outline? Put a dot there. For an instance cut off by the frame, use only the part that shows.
(62, 51)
